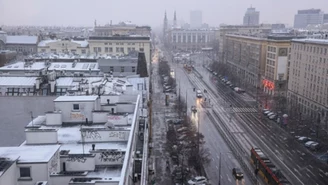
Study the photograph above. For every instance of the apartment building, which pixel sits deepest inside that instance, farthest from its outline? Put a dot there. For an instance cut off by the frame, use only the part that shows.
(308, 77)
(64, 46)
(120, 45)
(239, 29)
(245, 57)
(190, 39)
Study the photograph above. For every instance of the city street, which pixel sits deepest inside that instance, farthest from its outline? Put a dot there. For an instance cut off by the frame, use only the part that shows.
(214, 142)
(280, 147)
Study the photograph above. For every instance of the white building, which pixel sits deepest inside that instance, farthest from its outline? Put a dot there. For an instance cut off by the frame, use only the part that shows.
(196, 19)
(303, 18)
(251, 17)
(308, 77)
(85, 140)
(120, 45)
(64, 46)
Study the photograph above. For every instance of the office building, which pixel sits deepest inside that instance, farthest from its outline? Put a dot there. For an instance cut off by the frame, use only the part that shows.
(303, 18)
(325, 18)
(196, 19)
(308, 77)
(251, 17)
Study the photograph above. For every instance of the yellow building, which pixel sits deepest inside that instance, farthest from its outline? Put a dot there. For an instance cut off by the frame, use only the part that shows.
(64, 46)
(120, 45)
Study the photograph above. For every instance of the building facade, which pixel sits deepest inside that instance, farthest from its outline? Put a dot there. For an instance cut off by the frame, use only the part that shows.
(239, 29)
(120, 45)
(189, 39)
(251, 17)
(80, 47)
(303, 18)
(308, 77)
(245, 58)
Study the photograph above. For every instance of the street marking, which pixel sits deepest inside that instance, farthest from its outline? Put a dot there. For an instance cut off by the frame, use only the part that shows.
(302, 158)
(311, 166)
(320, 175)
(307, 175)
(217, 167)
(298, 166)
(217, 156)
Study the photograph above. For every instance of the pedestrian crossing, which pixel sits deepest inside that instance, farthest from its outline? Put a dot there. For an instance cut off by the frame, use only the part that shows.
(244, 110)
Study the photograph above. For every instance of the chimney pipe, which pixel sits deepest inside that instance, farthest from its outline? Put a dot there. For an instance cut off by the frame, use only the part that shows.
(86, 121)
(93, 147)
(108, 101)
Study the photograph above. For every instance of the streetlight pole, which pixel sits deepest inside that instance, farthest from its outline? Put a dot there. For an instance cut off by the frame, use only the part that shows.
(220, 170)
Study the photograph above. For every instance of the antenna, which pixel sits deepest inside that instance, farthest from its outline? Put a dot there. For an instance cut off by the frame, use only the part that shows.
(31, 113)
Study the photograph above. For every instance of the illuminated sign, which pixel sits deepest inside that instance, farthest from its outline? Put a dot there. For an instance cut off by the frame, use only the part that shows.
(268, 84)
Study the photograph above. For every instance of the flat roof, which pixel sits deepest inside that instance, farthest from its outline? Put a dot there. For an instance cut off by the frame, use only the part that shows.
(121, 37)
(79, 66)
(17, 81)
(29, 154)
(22, 39)
(23, 66)
(312, 41)
(75, 98)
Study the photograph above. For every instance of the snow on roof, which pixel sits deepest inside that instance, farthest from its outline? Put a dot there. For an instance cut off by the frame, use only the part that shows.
(21, 66)
(83, 43)
(77, 148)
(314, 41)
(79, 66)
(75, 98)
(106, 172)
(17, 81)
(44, 43)
(22, 39)
(30, 154)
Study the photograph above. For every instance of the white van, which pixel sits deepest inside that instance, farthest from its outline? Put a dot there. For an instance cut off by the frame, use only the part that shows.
(199, 94)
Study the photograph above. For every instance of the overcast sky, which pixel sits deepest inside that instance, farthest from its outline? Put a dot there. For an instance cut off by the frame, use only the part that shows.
(146, 12)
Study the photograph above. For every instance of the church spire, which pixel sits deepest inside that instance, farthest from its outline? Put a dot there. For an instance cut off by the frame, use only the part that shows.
(175, 19)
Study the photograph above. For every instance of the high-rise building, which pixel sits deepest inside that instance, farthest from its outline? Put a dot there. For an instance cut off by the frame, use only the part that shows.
(303, 18)
(251, 17)
(325, 18)
(196, 19)
(308, 77)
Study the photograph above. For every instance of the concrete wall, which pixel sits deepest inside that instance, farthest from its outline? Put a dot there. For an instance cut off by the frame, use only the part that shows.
(39, 172)
(75, 116)
(10, 176)
(75, 163)
(41, 136)
(105, 135)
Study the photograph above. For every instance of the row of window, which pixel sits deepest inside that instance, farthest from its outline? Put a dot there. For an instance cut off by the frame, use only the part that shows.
(118, 49)
(309, 48)
(272, 49)
(121, 43)
(83, 51)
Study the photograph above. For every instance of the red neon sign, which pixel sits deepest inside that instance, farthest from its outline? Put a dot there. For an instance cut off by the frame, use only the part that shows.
(268, 84)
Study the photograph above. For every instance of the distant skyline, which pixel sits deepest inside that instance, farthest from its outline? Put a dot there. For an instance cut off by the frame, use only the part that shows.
(146, 12)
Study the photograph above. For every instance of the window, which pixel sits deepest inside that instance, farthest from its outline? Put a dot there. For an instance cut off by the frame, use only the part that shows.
(117, 49)
(106, 49)
(111, 68)
(106, 43)
(25, 172)
(122, 69)
(76, 107)
(133, 69)
(141, 49)
(122, 50)
(99, 49)
(110, 49)
(83, 51)
(43, 50)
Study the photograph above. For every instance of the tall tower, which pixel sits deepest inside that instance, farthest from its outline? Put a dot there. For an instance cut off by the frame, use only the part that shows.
(165, 27)
(175, 20)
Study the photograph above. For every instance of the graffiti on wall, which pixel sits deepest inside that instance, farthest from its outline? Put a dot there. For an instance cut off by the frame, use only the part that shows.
(76, 158)
(54, 164)
(91, 134)
(111, 156)
(117, 134)
(77, 115)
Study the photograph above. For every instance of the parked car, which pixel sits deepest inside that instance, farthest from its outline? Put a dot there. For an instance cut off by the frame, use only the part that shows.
(303, 139)
(272, 117)
(315, 146)
(270, 114)
(197, 180)
(266, 112)
(309, 143)
(237, 173)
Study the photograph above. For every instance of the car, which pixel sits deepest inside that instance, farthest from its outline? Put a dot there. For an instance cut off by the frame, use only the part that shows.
(303, 139)
(237, 173)
(315, 146)
(309, 143)
(197, 180)
(272, 117)
(270, 114)
(193, 109)
(266, 112)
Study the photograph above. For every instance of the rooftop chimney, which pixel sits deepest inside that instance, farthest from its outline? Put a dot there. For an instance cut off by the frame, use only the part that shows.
(93, 147)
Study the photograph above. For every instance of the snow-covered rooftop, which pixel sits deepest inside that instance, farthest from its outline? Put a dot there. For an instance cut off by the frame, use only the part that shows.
(17, 81)
(75, 98)
(44, 43)
(79, 66)
(313, 41)
(22, 66)
(82, 43)
(29, 154)
(22, 39)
